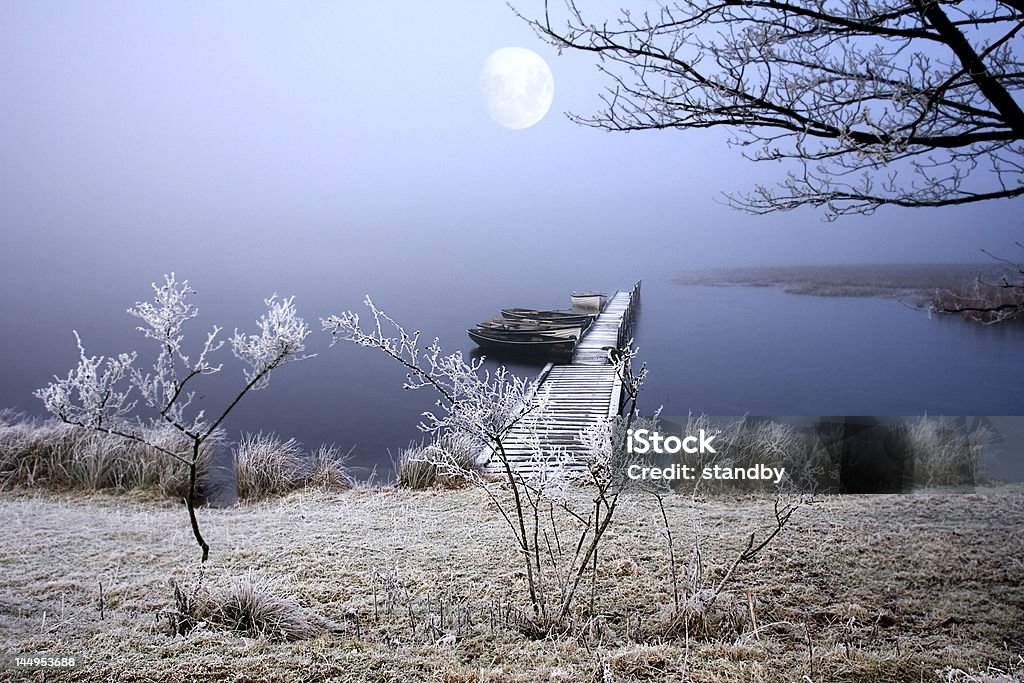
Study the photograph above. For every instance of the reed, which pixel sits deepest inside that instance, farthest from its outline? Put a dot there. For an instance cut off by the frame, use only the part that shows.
(49, 453)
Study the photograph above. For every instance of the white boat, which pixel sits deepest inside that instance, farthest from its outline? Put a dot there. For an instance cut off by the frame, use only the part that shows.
(595, 300)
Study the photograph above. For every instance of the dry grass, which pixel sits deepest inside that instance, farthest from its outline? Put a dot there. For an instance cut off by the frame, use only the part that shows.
(406, 585)
(438, 464)
(266, 466)
(415, 468)
(946, 453)
(51, 454)
(250, 605)
(329, 469)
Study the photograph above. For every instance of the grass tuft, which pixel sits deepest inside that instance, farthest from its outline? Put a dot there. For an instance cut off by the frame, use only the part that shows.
(445, 463)
(415, 468)
(703, 617)
(267, 466)
(329, 470)
(251, 606)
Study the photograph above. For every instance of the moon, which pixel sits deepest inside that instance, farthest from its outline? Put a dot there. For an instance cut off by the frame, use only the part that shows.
(517, 87)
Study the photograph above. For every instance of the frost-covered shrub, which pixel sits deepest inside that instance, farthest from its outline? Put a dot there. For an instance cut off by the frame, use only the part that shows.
(114, 395)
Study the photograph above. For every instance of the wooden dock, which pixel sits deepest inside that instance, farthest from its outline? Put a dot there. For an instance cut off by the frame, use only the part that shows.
(581, 393)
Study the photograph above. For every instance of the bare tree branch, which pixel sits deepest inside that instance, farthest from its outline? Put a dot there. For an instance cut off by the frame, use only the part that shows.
(986, 302)
(910, 103)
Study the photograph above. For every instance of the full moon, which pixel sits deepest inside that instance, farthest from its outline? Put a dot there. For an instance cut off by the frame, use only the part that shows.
(517, 86)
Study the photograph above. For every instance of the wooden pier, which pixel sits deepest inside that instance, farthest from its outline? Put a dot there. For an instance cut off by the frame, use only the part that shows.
(581, 393)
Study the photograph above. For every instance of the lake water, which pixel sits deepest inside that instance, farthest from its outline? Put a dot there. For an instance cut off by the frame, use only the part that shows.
(714, 350)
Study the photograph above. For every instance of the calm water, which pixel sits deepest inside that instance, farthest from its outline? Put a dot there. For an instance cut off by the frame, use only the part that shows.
(714, 350)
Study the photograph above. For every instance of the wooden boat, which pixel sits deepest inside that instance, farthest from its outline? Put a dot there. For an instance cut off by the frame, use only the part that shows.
(589, 299)
(522, 326)
(524, 345)
(567, 317)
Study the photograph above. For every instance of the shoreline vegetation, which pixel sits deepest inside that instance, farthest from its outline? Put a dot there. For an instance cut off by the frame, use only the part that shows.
(921, 453)
(315, 576)
(940, 286)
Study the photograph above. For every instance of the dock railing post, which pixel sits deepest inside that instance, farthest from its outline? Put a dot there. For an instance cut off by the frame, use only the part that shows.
(626, 324)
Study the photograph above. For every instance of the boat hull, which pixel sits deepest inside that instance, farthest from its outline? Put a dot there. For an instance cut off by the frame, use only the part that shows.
(523, 344)
(529, 327)
(548, 316)
(595, 300)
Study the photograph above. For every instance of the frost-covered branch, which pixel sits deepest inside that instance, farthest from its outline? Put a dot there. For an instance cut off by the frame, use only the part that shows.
(163, 388)
(545, 480)
(426, 366)
(96, 394)
(282, 339)
(93, 393)
(870, 102)
(474, 400)
(987, 303)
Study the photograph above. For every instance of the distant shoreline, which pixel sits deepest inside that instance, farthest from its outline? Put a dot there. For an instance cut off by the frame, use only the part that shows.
(915, 282)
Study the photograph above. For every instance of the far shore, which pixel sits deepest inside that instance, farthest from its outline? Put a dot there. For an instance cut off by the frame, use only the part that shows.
(914, 282)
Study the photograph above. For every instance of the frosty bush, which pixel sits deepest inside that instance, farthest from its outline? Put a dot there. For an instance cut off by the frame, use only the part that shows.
(557, 515)
(112, 394)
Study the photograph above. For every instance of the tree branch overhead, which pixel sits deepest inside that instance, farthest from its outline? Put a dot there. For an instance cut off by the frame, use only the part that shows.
(927, 90)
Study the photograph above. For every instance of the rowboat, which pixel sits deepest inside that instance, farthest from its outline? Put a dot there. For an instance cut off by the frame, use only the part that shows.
(524, 345)
(522, 326)
(553, 316)
(589, 299)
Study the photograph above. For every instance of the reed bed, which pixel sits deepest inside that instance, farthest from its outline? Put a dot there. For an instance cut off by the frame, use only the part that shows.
(916, 281)
(48, 453)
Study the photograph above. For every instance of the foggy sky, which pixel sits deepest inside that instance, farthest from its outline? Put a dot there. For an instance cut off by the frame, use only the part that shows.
(235, 138)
